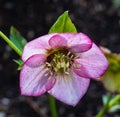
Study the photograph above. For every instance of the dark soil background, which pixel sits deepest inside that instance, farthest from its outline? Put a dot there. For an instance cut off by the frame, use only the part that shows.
(100, 19)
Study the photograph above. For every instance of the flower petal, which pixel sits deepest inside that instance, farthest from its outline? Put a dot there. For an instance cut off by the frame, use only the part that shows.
(78, 42)
(35, 81)
(69, 88)
(57, 41)
(37, 46)
(91, 64)
(36, 60)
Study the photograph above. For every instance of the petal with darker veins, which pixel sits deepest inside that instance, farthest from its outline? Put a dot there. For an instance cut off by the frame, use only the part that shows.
(69, 88)
(93, 63)
(35, 81)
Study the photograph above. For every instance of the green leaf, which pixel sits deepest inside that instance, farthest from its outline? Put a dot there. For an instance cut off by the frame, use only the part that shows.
(114, 104)
(20, 64)
(10, 43)
(114, 108)
(104, 99)
(63, 24)
(17, 38)
(116, 3)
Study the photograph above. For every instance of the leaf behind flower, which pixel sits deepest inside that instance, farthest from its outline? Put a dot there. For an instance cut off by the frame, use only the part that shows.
(63, 24)
(17, 38)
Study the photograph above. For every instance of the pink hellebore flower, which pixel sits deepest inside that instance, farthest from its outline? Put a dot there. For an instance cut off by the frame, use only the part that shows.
(62, 65)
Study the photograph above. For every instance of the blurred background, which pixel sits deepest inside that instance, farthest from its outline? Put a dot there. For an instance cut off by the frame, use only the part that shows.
(99, 19)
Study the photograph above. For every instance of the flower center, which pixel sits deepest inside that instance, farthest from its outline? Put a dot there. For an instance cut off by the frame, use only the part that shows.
(60, 60)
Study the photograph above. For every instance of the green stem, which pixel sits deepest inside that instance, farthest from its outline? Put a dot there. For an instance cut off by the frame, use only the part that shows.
(105, 107)
(12, 45)
(52, 106)
(114, 101)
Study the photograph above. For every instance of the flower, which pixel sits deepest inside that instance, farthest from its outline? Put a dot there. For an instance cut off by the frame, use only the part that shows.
(62, 65)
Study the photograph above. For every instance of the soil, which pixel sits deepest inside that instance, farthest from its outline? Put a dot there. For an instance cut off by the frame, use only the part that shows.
(100, 19)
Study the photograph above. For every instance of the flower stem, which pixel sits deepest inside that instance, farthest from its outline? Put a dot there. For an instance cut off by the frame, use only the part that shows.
(10, 43)
(105, 107)
(52, 106)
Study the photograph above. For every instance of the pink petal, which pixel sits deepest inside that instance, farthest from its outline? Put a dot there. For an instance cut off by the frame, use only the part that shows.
(57, 41)
(37, 46)
(78, 42)
(36, 60)
(69, 88)
(35, 81)
(91, 64)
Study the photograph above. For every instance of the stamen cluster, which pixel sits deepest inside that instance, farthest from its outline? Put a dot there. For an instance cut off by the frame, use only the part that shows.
(61, 61)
